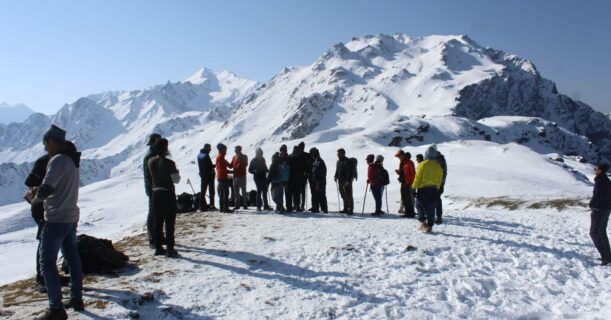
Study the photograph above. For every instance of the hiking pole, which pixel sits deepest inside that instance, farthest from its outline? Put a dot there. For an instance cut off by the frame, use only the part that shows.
(386, 191)
(189, 183)
(364, 199)
(337, 185)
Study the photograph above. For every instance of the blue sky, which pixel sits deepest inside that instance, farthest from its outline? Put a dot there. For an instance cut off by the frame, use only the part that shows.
(53, 52)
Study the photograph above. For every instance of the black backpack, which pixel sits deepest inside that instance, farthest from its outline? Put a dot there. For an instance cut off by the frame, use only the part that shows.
(252, 198)
(353, 166)
(97, 255)
(381, 176)
(184, 203)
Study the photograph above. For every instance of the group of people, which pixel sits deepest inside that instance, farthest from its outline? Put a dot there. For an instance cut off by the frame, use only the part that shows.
(54, 185)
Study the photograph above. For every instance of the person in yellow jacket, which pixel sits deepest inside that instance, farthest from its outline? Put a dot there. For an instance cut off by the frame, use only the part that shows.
(427, 182)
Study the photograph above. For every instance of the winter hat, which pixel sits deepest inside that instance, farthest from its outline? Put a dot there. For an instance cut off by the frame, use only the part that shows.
(379, 158)
(370, 158)
(153, 138)
(301, 146)
(430, 153)
(408, 155)
(399, 153)
(56, 133)
(221, 147)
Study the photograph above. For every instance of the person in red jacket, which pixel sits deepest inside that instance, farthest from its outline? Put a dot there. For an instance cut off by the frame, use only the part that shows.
(239, 162)
(377, 187)
(406, 173)
(222, 176)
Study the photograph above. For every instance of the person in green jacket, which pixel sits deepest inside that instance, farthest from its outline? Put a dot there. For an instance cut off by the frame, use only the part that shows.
(427, 182)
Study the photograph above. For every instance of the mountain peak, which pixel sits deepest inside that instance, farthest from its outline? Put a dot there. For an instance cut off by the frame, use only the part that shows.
(200, 76)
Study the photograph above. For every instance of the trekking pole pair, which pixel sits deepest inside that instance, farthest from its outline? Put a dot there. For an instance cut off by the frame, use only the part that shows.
(364, 199)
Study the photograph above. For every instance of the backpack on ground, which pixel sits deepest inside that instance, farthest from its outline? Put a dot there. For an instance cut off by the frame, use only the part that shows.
(97, 255)
(252, 198)
(353, 167)
(184, 203)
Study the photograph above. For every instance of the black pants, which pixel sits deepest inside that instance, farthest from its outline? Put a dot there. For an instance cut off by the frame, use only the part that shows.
(407, 199)
(297, 188)
(319, 196)
(598, 233)
(377, 192)
(38, 213)
(304, 185)
(261, 193)
(150, 221)
(439, 207)
(164, 204)
(223, 189)
(206, 184)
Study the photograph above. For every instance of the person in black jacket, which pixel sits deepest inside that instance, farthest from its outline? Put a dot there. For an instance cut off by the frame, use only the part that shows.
(275, 178)
(307, 160)
(288, 190)
(318, 182)
(439, 208)
(298, 174)
(258, 169)
(207, 175)
(148, 187)
(344, 174)
(601, 207)
(34, 180)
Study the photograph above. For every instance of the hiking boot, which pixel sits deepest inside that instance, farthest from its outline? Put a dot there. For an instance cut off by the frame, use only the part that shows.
(604, 263)
(268, 208)
(76, 304)
(428, 229)
(54, 314)
(350, 213)
(343, 211)
(375, 214)
(438, 220)
(423, 226)
(244, 207)
(259, 209)
(172, 253)
(40, 286)
(212, 208)
(228, 211)
(160, 251)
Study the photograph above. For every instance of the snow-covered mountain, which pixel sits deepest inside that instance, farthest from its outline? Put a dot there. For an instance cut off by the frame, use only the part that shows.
(373, 90)
(13, 113)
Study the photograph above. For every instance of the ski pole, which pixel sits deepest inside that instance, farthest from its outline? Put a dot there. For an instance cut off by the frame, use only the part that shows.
(189, 183)
(364, 199)
(337, 185)
(386, 191)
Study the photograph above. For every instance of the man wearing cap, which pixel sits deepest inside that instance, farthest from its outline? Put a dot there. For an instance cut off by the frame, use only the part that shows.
(59, 194)
(148, 187)
(406, 174)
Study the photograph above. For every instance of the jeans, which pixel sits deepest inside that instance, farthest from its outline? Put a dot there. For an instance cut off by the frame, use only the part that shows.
(426, 201)
(261, 193)
(223, 189)
(239, 191)
(598, 232)
(56, 236)
(206, 184)
(319, 196)
(165, 214)
(377, 192)
(277, 195)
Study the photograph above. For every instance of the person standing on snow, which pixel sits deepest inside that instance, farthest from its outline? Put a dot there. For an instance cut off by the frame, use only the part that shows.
(344, 174)
(374, 181)
(222, 176)
(258, 169)
(59, 194)
(318, 182)
(439, 208)
(148, 187)
(600, 204)
(288, 190)
(239, 162)
(427, 182)
(298, 175)
(275, 178)
(406, 173)
(164, 175)
(206, 174)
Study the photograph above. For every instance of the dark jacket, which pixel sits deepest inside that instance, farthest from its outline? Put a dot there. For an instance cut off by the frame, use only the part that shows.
(442, 162)
(148, 183)
(206, 168)
(601, 196)
(318, 173)
(38, 172)
(258, 168)
(161, 170)
(344, 171)
(298, 164)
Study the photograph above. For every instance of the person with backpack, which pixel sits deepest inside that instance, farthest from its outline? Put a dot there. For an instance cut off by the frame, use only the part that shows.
(148, 186)
(345, 172)
(426, 183)
(288, 190)
(406, 173)
(239, 162)
(258, 169)
(58, 192)
(164, 175)
(318, 182)
(222, 176)
(600, 204)
(297, 163)
(206, 174)
(439, 208)
(275, 178)
(34, 180)
(375, 185)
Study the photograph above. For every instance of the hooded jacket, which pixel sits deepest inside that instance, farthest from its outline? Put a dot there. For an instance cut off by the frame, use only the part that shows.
(601, 195)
